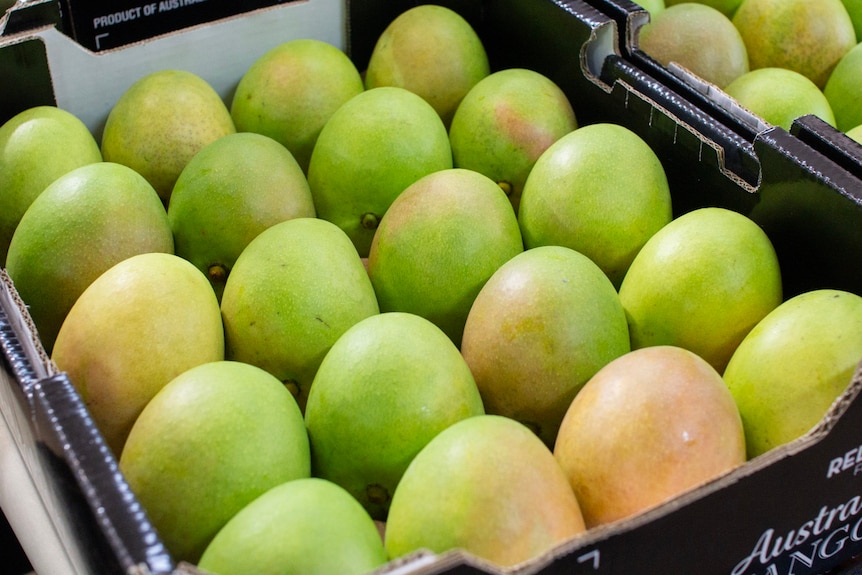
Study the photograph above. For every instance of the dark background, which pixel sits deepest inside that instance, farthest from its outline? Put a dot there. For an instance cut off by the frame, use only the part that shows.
(13, 561)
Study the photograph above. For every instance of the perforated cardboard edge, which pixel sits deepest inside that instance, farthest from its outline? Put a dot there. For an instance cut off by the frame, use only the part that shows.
(19, 338)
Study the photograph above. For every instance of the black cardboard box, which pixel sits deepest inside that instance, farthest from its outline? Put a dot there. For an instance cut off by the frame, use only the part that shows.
(813, 131)
(102, 25)
(797, 509)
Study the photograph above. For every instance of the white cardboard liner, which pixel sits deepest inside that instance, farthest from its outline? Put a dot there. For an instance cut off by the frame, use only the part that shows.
(47, 539)
(88, 84)
(30, 505)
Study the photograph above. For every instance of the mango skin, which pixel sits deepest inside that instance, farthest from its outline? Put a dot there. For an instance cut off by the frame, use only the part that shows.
(854, 9)
(38, 145)
(683, 290)
(599, 190)
(439, 243)
(794, 364)
(291, 91)
(294, 290)
(387, 386)
(843, 87)
(83, 223)
(780, 96)
(160, 122)
(214, 439)
(726, 7)
(303, 526)
(433, 52)
(804, 36)
(653, 6)
(486, 485)
(372, 148)
(650, 425)
(505, 122)
(231, 191)
(136, 327)
(542, 325)
(679, 33)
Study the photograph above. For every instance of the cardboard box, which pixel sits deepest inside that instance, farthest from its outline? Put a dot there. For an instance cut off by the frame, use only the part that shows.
(811, 130)
(103, 25)
(66, 500)
(49, 67)
(832, 143)
(797, 509)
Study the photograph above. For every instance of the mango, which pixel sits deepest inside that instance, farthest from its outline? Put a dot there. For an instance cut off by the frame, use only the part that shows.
(794, 364)
(649, 426)
(210, 442)
(291, 91)
(505, 122)
(228, 193)
(294, 290)
(160, 122)
(486, 485)
(438, 244)
(38, 145)
(543, 324)
(302, 526)
(82, 224)
(140, 324)
(432, 51)
(371, 149)
(388, 385)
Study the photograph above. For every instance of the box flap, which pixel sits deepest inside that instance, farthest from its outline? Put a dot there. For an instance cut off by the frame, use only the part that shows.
(27, 15)
(78, 456)
(87, 83)
(105, 24)
(19, 342)
(832, 143)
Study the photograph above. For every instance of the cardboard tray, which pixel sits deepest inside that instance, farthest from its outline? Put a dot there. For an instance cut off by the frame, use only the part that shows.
(107, 24)
(89, 514)
(813, 131)
(797, 509)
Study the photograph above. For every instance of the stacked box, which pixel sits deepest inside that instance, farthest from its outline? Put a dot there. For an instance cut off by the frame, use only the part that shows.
(814, 132)
(797, 509)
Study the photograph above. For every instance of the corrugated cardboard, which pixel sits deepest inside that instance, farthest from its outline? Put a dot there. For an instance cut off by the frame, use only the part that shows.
(103, 25)
(813, 131)
(61, 71)
(797, 509)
